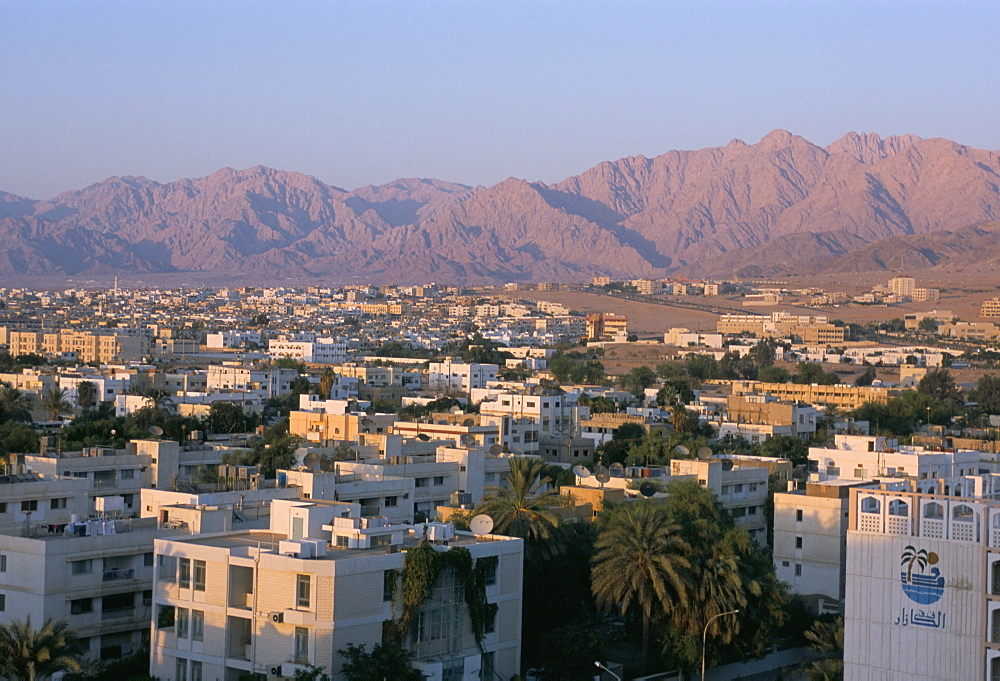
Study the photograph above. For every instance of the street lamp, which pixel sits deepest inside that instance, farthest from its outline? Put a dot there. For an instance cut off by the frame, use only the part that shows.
(601, 666)
(704, 638)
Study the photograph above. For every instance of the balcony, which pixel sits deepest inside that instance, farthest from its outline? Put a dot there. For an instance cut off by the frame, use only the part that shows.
(116, 574)
(117, 613)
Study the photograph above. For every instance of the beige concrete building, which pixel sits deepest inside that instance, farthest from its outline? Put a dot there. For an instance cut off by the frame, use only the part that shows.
(840, 396)
(269, 603)
(991, 308)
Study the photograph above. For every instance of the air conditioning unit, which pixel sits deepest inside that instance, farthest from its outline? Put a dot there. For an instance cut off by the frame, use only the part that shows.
(275, 671)
(277, 617)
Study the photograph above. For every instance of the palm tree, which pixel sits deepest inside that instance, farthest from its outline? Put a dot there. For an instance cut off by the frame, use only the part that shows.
(159, 399)
(828, 638)
(327, 377)
(640, 564)
(911, 556)
(27, 654)
(15, 405)
(521, 509)
(86, 391)
(54, 401)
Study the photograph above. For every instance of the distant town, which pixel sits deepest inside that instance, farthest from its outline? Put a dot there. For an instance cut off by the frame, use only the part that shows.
(524, 482)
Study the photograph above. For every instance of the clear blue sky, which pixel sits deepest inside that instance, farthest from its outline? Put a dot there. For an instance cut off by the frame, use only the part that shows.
(362, 91)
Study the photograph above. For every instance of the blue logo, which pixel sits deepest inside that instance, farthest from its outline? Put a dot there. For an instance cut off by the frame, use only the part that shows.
(920, 587)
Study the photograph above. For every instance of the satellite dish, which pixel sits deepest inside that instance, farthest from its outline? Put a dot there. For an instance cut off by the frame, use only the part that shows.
(495, 449)
(468, 440)
(602, 475)
(423, 437)
(682, 450)
(481, 524)
(616, 470)
(367, 422)
(469, 422)
(156, 431)
(647, 489)
(799, 473)
(727, 464)
(370, 411)
(581, 471)
(311, 460)
(705, 453)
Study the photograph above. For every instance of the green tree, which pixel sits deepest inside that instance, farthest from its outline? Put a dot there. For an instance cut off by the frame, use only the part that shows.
(928, 325)
(17, 438)
(15, 405)
(637, 380)
(702, 367)
(568, 653)
(54, 402)
(327, 378)
(788, 447)
(988, 393)
(939, 384)
(827, 637)
(226, 417)
(867, 377)
(27, 654)
(640, 566)
(523, 509)
(86, 392)
(773, 374)
(387, 660)
(810, 372)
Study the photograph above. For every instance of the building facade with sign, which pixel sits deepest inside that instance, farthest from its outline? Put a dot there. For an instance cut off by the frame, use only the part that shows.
(922, 587)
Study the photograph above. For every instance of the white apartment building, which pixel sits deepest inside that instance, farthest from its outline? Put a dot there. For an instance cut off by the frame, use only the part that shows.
(450, 375)
(272, 380)
(267, 603)
(318, 351)
(902, 286)
(923, 587)
(864, 457)
(524, 418)
(810, 542)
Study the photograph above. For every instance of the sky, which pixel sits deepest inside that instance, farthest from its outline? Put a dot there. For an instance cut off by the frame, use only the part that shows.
(360, 92)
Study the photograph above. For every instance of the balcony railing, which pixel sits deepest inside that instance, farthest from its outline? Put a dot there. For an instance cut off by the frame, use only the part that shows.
(115, 613)
(115, 574)
(105, 483)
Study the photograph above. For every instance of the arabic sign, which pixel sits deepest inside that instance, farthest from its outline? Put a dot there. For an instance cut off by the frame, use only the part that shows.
(922, 583)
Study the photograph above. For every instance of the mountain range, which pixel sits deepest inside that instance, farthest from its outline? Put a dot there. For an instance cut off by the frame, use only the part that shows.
(781, 206)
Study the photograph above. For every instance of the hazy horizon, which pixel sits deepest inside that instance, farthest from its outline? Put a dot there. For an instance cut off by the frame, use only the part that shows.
(366, 93)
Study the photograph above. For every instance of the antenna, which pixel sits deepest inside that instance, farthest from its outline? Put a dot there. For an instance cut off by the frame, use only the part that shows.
(481, 524)
(581, 471)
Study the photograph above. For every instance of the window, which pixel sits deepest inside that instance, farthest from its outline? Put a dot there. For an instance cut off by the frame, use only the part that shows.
(3, 507)
(128, 474)
(490, 625)
(199, 575)
(197, 625)
(147, 559)
(303, 590)
(3, 602)
(81, 606)
(183, 616)
(181, 669)
(29, 506)
(798, 515)
(3, 562)
(81, 567)
(57, 503)
(392, 501)
(165, 617)
(798, 542)
(301, 652)
(490, 569)
(388, 585)
(342, 542)
(422, 482)
(195, 670)
(184, 572)
(798, 569)
(438, 480)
